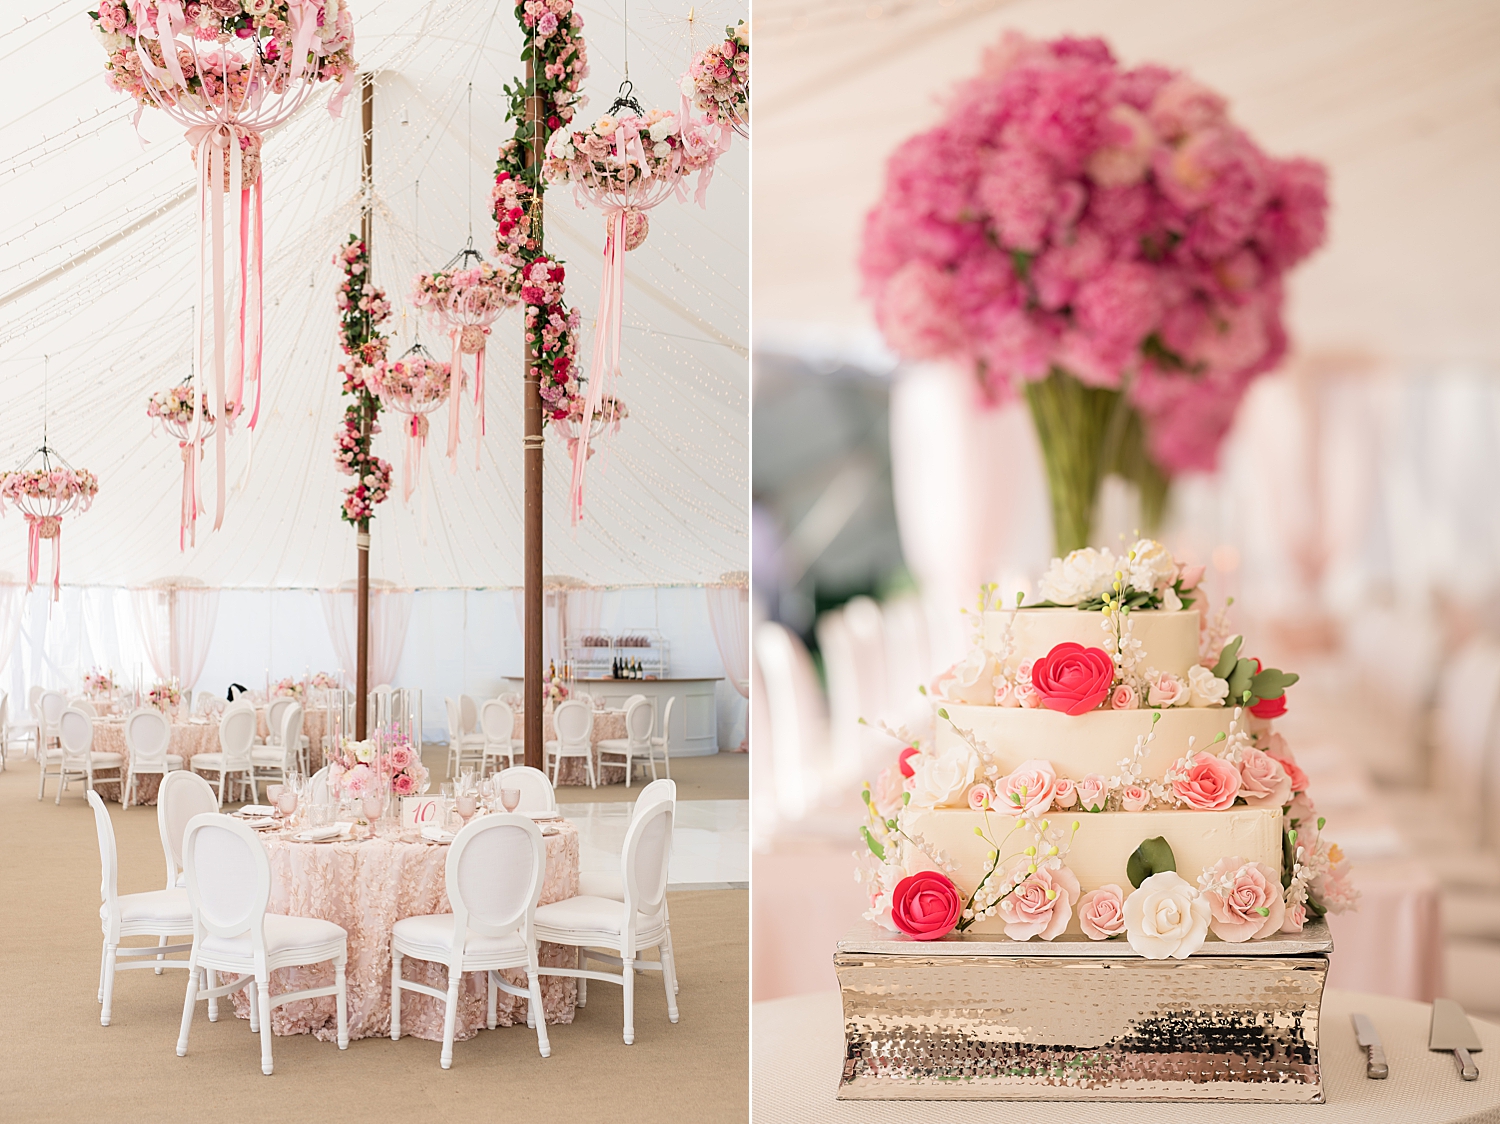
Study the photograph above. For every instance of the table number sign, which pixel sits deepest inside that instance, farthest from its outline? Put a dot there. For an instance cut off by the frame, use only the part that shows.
(420, 811)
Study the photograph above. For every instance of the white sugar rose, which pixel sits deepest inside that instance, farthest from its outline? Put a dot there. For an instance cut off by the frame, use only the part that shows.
(971, 680)
(1166, 916)
(1205, 688)
(1081, 575)
(1151, 566)
(943, 778)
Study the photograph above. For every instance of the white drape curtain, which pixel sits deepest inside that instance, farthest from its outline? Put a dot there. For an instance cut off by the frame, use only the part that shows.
(12, 611)
(729, 617)
(176, 627)
(567, 612)
(390, 614)
(582, 611)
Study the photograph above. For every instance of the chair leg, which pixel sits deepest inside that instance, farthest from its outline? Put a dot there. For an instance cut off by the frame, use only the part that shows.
(125, 791)
(109, 985)
(211, 981)
(492, 993)
(222, 774)
(250, 997)
(340, 981)
(450, 1015)
(187, 1008)
(103, 958)
(583, 984)
(669, 974)
(395, 996)
(534, 985)
(265, 1024)
(629, 972)
(41, 782)
(159, 942)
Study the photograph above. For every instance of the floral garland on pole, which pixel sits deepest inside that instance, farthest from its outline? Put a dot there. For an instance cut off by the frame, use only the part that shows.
(718, 80)
(559, 64)
(362, 306)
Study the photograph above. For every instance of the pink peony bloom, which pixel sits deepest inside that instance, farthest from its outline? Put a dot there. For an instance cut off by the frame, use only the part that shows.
(1244, 900)
(1101, 913)
(1134, 798)
(1041, 905)
(1093, 791)
(1206, 783)
(1065, 794)
(1028, 790)
(1263, 782)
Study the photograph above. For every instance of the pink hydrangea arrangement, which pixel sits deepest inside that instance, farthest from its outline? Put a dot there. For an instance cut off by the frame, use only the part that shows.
(1073, 221)
(287, 688)
(617, 154)
(57, 484)
(718, 80)
(98, 682)
(164, 696)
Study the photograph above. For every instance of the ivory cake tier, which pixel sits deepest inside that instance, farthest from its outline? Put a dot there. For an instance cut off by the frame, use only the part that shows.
(1077, 745)
(1169, 640)
(1103, 844)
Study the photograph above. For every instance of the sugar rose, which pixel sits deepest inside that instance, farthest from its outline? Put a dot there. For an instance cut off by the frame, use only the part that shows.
(1028, 790)
(1206, 782)
(1093, 791)
(1244, 900)
(1263, 782)
(971, 680)
(1041, 905)
(925, 905)
(1205, 688)
(1072, 678)
(1065, 795)
(1166, 917)
(1134, 798)
(1083, 574)
(1101, 913)
(942, 777)
(1166, 690)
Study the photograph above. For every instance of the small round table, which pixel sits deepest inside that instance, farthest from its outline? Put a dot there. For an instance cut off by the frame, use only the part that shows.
(798, 1045)
(366, 887)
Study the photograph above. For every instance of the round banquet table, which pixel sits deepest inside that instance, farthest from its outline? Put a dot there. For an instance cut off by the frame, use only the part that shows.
(607, 724)
(799, 1043)
(187, 740)
(366, 887)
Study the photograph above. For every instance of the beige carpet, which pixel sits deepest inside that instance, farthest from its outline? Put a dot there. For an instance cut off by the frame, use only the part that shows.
(718, 776)
(61, 1065)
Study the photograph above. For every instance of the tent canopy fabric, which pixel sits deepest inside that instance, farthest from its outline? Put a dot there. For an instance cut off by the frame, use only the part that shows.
(97, 256)
(1398, 99)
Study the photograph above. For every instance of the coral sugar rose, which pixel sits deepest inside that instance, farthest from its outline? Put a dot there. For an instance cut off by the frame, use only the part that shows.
(1206, 783)
(925, 905)
(1072, 678)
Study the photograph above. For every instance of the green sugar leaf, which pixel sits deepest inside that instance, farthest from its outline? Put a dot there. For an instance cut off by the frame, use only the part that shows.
(1228, 656)
(1152, 857)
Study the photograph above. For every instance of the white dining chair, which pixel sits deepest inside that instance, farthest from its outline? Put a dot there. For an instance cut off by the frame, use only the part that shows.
(83, 703)
(498, 723)
(274, 763)
(228, 888)
(155, 913)
(50, 706)
(468, 714)
(627, 927)
(537, 794)
(275, 714)
(462, 748)
(28, 730)
(494, 880)
(148, 735)
(76, 758)
(635, 745)
(573, 722)
(661, 743)
(236, 735)
(182, 795)
(611, 883)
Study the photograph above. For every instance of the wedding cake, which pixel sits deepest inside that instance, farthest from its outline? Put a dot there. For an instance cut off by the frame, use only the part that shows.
(1105, 766)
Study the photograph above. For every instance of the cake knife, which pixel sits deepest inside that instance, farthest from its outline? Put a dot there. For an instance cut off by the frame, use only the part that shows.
(1451, 1030)
(1368, 1037)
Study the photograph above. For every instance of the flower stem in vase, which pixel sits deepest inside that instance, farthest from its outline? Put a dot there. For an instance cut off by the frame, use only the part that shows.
(1072, 422)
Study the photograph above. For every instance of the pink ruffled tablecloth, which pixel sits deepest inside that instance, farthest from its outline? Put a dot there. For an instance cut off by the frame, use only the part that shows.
(366, 888)
(187, 740)
(607, 724)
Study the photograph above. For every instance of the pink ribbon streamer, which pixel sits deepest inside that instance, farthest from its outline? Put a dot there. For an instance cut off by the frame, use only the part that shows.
(35, 526)
(605, 364)
(411, 464)
(455, 337)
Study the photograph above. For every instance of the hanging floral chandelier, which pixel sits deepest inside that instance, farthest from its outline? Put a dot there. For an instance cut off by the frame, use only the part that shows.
(717, 81)
(227, 72)
(44, 494)
(607, 416)
(625, 163)
(462, 300)
(173, 409)
(414, 385)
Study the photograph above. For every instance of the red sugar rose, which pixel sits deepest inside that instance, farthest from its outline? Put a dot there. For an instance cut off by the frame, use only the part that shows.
(925, 905)
(907, 768)
(1072, 678)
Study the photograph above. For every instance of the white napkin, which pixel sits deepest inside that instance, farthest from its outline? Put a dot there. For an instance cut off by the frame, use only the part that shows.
(328, 831)
(256, 810)
(257, 823)
(434, 834)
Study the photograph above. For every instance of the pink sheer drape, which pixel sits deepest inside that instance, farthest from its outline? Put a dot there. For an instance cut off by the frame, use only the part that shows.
(729, 617)
(568, 611)
(581, 611)
(390, 613)
(176, 625)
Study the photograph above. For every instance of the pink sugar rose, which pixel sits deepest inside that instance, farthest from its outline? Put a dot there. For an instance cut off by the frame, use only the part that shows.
(1065, 795)
(1028, 697)
(1028, 790)
(1072, 678)
(887, 792)
(1263, 782)
(1134, 798)
(980, 797)
(1302, 813)
(1101, 913)
(1206, 783)
(1093, 791)
(1123, 698)
(1168, 690)
(1042, 905)
(1285, 759)
(1295, 918)
(1244, 900)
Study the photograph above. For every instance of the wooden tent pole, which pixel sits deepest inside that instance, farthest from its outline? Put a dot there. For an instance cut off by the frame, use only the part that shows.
(532, 455)
(362, 540)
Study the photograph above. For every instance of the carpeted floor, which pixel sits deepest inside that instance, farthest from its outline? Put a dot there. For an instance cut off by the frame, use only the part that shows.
(61, 1065)
(719, 776)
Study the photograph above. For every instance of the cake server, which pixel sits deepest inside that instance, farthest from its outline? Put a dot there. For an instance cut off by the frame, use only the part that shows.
(1451, 1030)
(1368, 1037)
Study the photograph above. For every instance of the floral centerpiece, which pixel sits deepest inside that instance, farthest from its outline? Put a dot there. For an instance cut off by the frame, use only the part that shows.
(557, 689)
(608, 415)
(387, 763)
(98, 682)
(718, 80)
(165, 697)
(44, 495)
(287, 688)
(325, 681)
(1104, 241)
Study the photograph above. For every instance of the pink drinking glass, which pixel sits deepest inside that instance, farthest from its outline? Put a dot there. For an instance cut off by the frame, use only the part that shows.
(510, 798)
(374, 805)
(466, 805)
(287, 801)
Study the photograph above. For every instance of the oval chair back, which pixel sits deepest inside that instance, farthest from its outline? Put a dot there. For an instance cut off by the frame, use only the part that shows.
(236, 734)
(317, 787)
(291, 737)
(109, 867)
(275, 715)
(34, 701)
(498, 721)
(573, 720)
(657, 791)
(537, 794)
(183, 794)
(648, 850)
(494, 875)
(228, 879)
(666, 721)
(147, 736)
(75, 730)
(468, 714)
(83, 704)
(638, 723)
(454, 727)
(51, 704)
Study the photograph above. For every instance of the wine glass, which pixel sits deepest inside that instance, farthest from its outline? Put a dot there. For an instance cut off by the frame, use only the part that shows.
(466, 804)
(274, 791)
(286, 800)
(374, 805)
(510, 799)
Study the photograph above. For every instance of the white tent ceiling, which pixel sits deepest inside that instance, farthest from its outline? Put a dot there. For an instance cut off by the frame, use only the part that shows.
(667, 499)
(1401, 100)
